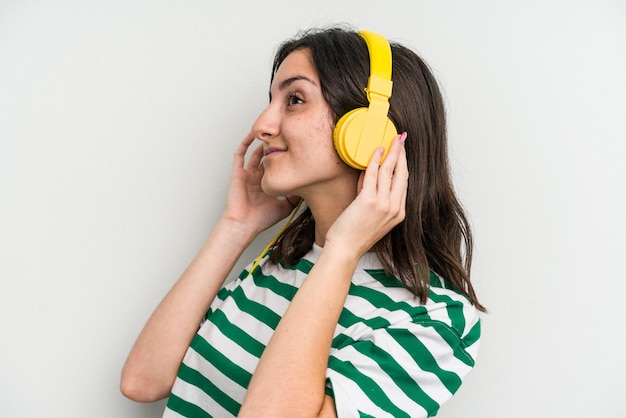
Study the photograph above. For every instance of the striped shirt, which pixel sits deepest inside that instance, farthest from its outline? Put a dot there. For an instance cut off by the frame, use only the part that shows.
(390, 357)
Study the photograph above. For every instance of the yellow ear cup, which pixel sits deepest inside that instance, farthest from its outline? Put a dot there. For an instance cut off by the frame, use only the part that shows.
(359, 132)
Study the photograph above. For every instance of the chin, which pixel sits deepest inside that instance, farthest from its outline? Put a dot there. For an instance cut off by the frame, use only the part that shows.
(273, 189)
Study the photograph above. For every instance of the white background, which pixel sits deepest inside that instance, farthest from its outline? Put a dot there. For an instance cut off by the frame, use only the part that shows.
(118, 120)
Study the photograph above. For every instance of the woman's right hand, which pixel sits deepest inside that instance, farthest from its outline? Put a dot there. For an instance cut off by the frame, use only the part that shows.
(154, 360)
(247, 204)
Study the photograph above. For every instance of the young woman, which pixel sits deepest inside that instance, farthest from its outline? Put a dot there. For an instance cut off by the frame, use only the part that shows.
(364, 305)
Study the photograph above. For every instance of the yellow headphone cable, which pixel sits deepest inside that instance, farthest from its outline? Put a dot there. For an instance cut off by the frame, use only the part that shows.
(268, 246)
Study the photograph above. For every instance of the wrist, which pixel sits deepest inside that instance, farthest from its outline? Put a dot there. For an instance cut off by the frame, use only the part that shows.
(344, 255)
(236, 233)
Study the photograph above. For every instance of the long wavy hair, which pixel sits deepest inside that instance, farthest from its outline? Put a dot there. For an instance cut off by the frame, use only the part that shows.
(435, 234)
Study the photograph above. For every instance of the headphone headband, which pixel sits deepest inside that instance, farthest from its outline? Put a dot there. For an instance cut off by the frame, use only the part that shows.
(380, 55)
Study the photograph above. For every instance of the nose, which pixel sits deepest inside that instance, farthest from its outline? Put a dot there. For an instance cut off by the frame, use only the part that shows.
(267, 125)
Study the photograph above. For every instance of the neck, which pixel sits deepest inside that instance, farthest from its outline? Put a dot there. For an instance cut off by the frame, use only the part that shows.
(327, 206)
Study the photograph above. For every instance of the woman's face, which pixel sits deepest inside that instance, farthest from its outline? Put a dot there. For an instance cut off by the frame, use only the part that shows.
(297, 133)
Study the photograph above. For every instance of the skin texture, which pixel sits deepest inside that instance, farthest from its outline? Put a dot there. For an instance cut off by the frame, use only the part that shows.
(352, 211)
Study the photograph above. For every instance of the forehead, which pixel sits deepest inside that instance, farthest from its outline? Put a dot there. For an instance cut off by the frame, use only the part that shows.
(298, 64)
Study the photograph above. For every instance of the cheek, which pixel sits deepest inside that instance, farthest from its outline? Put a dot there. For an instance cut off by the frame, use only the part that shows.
(317, 150)
(323, 134)
(323, 148)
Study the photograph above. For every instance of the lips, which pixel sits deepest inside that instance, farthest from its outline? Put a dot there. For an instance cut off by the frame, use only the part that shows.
(270, 151)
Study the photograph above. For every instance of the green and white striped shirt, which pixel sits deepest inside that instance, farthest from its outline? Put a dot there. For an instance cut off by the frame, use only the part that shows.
(390, 357)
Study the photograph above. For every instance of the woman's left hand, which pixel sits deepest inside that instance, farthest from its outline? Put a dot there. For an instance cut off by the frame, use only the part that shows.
(379, 205)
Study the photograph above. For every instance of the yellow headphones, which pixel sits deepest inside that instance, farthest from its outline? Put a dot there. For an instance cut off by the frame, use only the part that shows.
(359, 132)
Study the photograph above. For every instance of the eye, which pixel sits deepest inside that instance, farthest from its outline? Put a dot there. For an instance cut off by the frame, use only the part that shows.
(294, 99)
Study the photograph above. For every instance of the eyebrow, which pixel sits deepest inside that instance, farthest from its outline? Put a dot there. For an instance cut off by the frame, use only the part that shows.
(287, 82)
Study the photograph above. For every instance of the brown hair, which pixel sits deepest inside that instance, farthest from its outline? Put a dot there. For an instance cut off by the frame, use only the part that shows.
(435, 235)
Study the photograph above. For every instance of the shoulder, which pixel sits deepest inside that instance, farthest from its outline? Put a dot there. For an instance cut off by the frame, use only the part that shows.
(393, 354)
(381, 302)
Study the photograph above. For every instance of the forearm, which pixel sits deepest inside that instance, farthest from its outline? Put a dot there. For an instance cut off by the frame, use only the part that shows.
(154, 360)
(290, 378)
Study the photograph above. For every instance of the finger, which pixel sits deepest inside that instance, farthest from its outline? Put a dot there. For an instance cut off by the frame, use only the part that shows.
(359, 184)
(370, 176)
(240, 153)
(400, 171)
(255, 158)
(397, 146)
(399, 184)
(387, 168)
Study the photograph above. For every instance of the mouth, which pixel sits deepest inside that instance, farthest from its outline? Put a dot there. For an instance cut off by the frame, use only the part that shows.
(271, 151)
